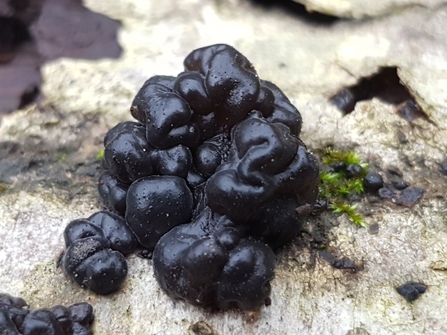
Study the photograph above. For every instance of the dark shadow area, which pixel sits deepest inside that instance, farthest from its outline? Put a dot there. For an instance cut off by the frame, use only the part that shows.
(298, 10)
(384, 85)
(29, 96)
(20, 77)
(13, 33)
(33, 32)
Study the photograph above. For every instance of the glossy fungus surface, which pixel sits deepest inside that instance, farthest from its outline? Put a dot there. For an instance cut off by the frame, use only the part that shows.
(209, 263)
(212, 177)
(155, 205)
(113, 192)
(95, 249)
(16, 318)
(373, 182)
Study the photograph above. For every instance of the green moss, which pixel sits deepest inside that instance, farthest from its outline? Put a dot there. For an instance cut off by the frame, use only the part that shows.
(338, 187)
(332, 156)
(100, 154)
(61, 156)
(341, 207)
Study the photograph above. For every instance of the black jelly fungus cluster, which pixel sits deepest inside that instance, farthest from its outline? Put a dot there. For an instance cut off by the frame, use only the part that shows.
(411, 290)
(95, 249)
(209, 179)
(16, 318)
(395, 189)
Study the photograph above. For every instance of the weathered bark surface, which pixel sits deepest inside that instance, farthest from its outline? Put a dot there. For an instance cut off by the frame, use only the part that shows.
(48, 167)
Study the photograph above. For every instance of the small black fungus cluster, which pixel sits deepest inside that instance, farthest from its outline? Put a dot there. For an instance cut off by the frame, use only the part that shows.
(16, 318)
(95, 249)
(411, 290)
(209, 179)
(397, 190)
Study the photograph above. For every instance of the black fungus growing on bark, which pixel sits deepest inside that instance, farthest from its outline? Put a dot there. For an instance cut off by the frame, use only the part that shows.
(212, 175)
(209, 263)
(16, 318)
(373, 182)
(157, 204)
(411, 290)
(113, 192)
(96, 246)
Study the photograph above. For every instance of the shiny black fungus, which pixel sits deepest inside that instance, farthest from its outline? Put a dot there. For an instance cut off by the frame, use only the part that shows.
(230, 82)
(214, 176)
(354, 170)
(16, 318)
(126, 152)
(12, 313)
(268, 174)
(7, 326)
(338, 167)
(373, 182)
(218, 89)
(113, 192)
(91, 263)
(167, 116)
(128, 156)
(400, 184)
(106, 225)
(157, 204)
(41, 321)
(411, 290)
(211, 154)
(75, 319)
(95, 249)
(208, 263)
